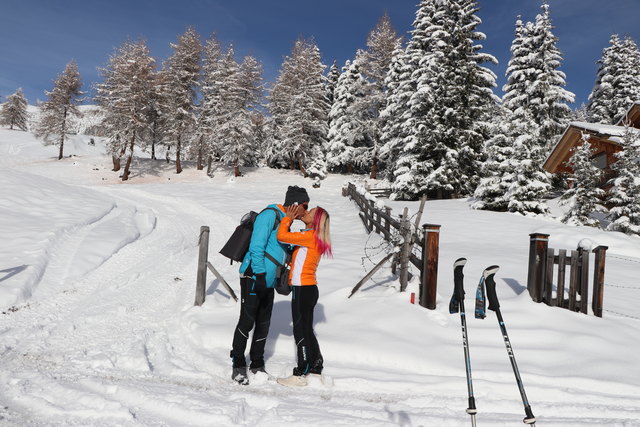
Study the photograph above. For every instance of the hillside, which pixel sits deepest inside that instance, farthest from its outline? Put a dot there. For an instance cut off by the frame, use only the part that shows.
(98, 327)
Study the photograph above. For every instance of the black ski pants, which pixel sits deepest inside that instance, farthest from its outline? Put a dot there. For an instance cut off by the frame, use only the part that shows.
(255, 310)
(303, 302)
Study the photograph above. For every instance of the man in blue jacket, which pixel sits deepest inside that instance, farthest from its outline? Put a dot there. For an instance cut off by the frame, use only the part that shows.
(257, 280)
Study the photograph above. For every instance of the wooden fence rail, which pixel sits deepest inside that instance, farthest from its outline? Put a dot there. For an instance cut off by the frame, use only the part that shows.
(382, 222)
(542, 260)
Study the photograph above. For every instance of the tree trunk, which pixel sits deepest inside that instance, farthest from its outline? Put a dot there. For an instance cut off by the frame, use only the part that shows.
(236, 169)
(349, 168)
(374, 167)
(209, 161)
(116, 163)
(125, 175)
(167, 155)
(293, 163)
(301, 166)
(200, 150)
(64, 130)
(178, 166)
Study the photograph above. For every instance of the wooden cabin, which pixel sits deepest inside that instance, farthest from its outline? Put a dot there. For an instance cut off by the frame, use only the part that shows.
(604, 138)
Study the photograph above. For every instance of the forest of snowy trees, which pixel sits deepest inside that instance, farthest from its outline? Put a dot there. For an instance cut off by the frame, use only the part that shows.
(421, 113)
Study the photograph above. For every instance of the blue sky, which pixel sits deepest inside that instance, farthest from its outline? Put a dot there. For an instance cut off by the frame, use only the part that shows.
(38, 37)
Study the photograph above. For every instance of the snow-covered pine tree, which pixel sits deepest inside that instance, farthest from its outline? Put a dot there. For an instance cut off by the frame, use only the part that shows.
(624, 196)
(299, 108)
(449, 109)
(547, 99)
(182, 73)
(157, 111)
(375, 62)
(400, 87)
(617, 84)
(332, 81)
(489, 194)
(585, 195)
(351, 123)
(526, 183)
(14, 111)
(209, 110)
(241, 92)
(125, 95)
(60, 105)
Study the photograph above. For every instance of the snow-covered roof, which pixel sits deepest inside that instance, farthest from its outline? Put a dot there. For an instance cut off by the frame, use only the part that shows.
(607, 130)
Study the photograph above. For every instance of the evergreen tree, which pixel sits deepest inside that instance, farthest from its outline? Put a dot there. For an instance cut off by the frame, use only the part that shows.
(351, 123)
(60, 106)
(210, 108)
(14, 111)
(526, 183)
(125, 95)
(242, 92)
(299, 108)
(182, 73)
(583, 198)
(448, 111)
(375, 63)
(547, 100)
(157, 111)
(332, 82)
(624, 195)
(617, 84)
(496, 169)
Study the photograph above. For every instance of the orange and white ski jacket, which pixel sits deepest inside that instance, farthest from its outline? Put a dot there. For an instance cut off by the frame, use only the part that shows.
(306, 255)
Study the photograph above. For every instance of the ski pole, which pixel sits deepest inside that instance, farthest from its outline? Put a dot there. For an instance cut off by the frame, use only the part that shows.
(494, 305)
(457, 302)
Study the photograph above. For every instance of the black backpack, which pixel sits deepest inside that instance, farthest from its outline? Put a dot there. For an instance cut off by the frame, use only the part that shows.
(238, 244)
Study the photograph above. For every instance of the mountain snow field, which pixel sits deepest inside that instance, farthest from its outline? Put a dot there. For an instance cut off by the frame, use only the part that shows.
(98, 325)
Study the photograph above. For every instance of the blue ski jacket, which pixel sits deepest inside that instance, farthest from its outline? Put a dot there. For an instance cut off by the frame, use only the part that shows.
(264, 238)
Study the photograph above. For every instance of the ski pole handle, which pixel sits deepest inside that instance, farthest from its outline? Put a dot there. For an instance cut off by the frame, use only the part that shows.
(458, 278)
(491, 287)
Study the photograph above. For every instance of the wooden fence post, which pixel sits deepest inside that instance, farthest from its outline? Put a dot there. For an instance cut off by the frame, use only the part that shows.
(584, 280)
(405, 230)
(430, 253)
(573, 280)
(598, 280)
(548, 278)
(538, 245)
(201, 280)
(562, 267)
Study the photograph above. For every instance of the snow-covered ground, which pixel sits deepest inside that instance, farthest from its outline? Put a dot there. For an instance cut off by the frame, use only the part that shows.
(98, 326)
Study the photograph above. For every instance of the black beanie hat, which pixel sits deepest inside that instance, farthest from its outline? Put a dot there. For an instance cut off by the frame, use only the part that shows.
(295, 194)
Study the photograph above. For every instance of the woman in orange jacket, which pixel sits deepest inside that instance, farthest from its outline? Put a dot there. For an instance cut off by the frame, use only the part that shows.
(310, 244)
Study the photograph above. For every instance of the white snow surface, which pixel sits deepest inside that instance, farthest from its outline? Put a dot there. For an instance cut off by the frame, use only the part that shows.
(98, 324)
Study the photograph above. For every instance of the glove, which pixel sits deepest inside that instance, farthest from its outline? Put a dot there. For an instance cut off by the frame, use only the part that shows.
(261, 280)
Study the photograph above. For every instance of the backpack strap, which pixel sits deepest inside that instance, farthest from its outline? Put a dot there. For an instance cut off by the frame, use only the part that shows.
(278, 219)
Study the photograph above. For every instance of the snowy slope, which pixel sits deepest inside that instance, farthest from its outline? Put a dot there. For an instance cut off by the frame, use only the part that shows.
(98, 327)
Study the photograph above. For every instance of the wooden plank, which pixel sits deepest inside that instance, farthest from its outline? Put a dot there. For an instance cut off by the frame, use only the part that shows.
(573, 280)
(405, 232)
(584, 282)
(598, 280)
(203, 253)
(370, 274)
(562, 266)
(548, 277)
(221, 279)
(363, 217)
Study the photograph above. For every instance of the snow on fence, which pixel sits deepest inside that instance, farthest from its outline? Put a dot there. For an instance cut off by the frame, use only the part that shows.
(575, 296)
(377, 217)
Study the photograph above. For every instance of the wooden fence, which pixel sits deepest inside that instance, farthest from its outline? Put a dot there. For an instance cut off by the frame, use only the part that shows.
(382, 222)
(573, 296)
(203, 265)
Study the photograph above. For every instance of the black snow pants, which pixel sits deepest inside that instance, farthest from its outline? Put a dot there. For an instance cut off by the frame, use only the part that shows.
(255, 310)
(303, 302)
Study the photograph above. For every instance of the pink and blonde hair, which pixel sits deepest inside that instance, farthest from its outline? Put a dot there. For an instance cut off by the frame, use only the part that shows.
(323, 233)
